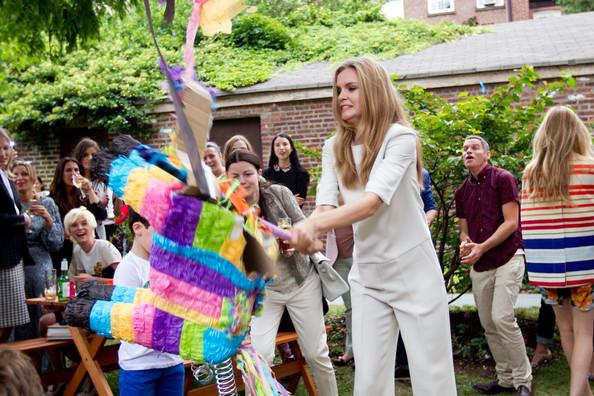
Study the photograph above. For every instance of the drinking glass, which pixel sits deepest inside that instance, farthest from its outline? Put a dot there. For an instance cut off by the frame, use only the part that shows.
(51, 283)
(76, 183)
(284, 223)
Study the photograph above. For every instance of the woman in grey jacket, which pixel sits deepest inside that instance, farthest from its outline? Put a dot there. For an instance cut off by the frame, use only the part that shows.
(296, 285)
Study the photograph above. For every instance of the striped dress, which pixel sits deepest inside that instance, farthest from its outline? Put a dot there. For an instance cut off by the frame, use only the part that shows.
(559, 237)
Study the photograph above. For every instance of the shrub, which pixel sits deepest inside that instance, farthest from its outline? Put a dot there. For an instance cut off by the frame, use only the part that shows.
(259, 32)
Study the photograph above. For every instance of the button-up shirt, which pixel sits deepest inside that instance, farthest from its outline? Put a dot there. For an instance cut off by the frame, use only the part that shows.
(6, 182)
(480, 201)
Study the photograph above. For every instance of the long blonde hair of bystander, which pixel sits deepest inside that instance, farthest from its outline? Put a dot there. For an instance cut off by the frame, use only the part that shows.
(561, 137)
(381, 106)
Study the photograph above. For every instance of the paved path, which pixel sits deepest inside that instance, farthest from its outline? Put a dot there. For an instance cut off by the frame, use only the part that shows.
(524, 300)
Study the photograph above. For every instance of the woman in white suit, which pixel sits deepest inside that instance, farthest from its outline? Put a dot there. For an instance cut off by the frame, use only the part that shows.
(396, 283)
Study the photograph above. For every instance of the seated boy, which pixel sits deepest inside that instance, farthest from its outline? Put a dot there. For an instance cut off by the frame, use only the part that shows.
(92, 259)
(144, 371)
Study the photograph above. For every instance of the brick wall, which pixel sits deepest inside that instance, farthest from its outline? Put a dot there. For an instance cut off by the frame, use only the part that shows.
(44, 154)
(466, 9)
(307, 121)
(520, 10)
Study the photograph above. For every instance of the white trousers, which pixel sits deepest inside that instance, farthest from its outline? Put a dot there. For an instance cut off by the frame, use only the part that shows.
(305, 309)
(405, 295)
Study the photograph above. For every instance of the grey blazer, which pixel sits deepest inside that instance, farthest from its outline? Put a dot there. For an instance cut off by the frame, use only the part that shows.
(291, 271)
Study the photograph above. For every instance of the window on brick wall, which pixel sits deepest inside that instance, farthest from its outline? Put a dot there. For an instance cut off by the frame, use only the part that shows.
(222, 130)
(481, 4)
(440, 6)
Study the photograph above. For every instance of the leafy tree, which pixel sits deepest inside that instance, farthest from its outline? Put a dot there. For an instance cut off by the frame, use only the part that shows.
(38, 25)
(507, 117)
(573, 6)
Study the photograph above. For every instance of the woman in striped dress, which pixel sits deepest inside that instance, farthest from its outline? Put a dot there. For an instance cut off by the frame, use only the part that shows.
(558, 232)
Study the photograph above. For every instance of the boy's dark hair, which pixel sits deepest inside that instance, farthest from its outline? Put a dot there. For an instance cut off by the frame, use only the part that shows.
(134, 217)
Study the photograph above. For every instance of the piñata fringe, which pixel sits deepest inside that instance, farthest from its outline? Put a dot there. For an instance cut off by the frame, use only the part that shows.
(257, 376)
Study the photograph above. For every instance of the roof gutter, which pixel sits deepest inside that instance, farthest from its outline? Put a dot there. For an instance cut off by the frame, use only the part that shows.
(508, 10)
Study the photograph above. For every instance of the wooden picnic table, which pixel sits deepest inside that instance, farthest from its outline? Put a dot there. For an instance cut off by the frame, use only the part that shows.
(88, 346)
(91, 346)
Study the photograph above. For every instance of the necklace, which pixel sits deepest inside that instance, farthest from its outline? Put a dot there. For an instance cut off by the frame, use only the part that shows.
(278, 168)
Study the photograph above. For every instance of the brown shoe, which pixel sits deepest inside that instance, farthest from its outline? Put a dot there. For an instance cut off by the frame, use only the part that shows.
(493, 388)
(524, 391)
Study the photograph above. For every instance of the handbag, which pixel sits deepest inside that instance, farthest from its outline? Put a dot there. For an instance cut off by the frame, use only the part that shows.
(333, 286)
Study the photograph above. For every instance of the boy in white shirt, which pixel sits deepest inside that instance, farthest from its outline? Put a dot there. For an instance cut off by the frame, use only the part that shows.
(144, 371)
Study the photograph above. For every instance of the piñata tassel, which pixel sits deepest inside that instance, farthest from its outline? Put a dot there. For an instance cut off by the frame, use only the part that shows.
(257, 376)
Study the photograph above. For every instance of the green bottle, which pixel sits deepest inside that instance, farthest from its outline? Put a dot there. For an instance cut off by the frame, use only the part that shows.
(63, 282)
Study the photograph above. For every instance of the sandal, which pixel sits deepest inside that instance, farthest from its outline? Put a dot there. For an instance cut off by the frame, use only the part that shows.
(546, 358)
(341, 361)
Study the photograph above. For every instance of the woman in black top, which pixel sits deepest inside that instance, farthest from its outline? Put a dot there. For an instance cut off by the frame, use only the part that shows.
(284, 167)
(69, 190)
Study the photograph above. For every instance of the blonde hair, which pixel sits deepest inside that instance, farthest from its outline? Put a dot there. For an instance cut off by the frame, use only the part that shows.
(381, 106)
(6, 135)
(74, 215)
(17, 374)
(28, 166)
(560, 137)
(228, 149)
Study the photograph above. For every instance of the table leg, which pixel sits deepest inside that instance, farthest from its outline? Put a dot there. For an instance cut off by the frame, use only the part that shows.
(307, 377)
(87, 352)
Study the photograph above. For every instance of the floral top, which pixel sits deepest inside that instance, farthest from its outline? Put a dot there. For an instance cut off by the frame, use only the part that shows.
(41, 241)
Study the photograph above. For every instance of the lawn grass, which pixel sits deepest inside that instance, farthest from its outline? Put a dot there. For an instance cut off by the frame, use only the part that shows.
(551, 380)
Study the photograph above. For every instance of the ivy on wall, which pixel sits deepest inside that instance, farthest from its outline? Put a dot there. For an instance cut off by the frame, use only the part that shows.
(114, 81)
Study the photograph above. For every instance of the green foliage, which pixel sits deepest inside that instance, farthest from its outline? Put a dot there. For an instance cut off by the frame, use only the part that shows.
(573, 6)
(316, 172)
(259, 31)
(501, 119)
(321, 12)
(38, 24)
(113, 82)
(381, 39)
(109, 85)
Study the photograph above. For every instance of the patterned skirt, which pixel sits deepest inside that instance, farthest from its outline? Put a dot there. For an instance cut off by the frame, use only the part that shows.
(13, 309)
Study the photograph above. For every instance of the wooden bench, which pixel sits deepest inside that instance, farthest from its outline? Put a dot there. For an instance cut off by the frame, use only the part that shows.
(36, 347)
(107, 360)
(291, 369)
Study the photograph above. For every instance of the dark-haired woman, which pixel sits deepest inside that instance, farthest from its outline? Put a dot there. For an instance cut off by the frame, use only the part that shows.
(296, 285)
(84, 152)
(69, 190)
(284, 167)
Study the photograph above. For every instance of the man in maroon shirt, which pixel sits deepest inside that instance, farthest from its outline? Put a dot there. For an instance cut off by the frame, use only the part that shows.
(487, 205)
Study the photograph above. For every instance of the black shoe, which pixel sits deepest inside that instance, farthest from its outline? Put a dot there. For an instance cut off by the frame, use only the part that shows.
(401, 372)
(524, 391)
(493, 388)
